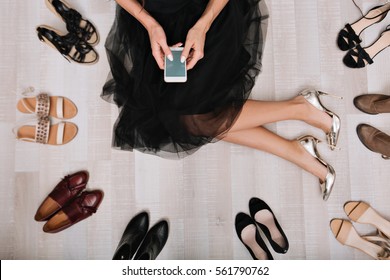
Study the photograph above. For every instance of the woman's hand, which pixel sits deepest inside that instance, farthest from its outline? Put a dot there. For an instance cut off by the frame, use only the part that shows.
(158, 42)
(194, 46)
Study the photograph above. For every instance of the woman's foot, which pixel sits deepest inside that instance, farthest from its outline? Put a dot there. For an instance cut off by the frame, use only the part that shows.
(326, 178)
(313, 116)
(313, 97)
(310, 163)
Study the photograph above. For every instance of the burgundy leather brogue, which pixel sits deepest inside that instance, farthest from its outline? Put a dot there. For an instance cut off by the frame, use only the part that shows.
(79, 209)
(65, 191)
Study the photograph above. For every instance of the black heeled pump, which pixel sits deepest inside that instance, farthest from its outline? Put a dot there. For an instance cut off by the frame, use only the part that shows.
(242, 222)
(269, 224)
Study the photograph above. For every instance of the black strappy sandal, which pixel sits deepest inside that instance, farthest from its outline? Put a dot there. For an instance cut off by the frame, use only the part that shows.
(359, 57)
(349, 37)
(75, 23)
(69, 45)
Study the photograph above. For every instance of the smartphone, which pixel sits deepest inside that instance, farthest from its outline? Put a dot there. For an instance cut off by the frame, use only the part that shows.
(175, 71)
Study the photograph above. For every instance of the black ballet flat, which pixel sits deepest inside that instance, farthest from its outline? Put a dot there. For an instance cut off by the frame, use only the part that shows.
(75, 23)
(242, 221)
(69, 45)
(132, 237)
(153, 242)
(256, 205)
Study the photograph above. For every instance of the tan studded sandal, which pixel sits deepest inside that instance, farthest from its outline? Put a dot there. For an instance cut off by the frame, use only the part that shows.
(44, 105)
(45, 133)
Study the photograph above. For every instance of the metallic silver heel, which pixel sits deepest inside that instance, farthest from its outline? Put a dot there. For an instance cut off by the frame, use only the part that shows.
(313, 97)
(309, 143)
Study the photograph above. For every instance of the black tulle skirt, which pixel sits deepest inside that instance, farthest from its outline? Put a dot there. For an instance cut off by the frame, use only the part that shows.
(173, 120)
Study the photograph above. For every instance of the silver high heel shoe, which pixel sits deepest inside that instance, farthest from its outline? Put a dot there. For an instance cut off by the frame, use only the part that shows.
(313, 97)
(309, 143)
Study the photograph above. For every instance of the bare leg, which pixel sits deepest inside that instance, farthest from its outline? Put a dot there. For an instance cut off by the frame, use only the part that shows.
(257, 113)
(262, 139)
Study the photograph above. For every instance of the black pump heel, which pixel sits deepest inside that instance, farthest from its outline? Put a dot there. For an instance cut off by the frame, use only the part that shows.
(268, 224)
(69, 45)
(349, 37)
(242, 222)
(75, 23)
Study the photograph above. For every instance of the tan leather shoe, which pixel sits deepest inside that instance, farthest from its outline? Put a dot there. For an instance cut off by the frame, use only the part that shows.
(373, 104)
(374, 139)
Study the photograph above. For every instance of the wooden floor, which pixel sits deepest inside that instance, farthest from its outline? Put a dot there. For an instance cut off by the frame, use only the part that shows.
(201, 194)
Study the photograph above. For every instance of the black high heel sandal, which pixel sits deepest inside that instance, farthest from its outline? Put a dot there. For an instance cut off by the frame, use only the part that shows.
(75, 23)
(359, 57)
(268, 224)
(242, 222)
(69, 45)
(349, 37)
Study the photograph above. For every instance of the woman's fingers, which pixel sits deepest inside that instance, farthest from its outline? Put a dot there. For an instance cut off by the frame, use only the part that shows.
(177, 45)
(158, 43)
(194, 58)
(166, 50)
(157, 54)
(186, 51)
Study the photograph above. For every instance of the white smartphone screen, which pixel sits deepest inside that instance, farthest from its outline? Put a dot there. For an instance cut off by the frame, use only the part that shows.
(175, 71)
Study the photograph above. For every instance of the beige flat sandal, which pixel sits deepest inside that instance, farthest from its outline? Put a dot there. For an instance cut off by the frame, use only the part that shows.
(44, 133)
(374, 246)
(362, 212)
(44, 105)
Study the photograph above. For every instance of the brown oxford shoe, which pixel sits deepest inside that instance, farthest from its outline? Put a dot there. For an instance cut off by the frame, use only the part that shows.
(373, 104)
(79, 209)
(69, 187)
(374, 139)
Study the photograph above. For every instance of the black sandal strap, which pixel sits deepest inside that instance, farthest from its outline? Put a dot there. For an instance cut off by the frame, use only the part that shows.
(82, 49)
(361, 56)
(73, 20)
(64, 44)
(350, 37)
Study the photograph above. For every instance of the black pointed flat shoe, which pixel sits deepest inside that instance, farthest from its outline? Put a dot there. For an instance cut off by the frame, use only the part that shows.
(249, 235)
(262, 214)
(153, 242)
(75, 23)
(132, 237)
